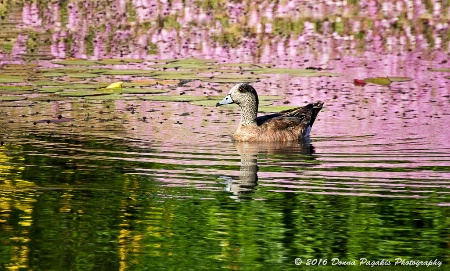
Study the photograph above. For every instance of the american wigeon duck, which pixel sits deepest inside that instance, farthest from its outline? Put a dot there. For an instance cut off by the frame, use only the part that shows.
(288, 125)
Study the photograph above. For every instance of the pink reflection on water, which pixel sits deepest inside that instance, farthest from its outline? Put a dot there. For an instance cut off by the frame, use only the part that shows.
(199, 26)
(30, 14)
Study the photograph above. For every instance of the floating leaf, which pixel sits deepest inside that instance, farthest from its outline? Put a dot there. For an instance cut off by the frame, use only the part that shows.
(11, 79)
(50, 89)
(47, 98)
(16, 88)
(400, 79)
(143, 83)
(53, 74)
(84, 93)
(80, 86)
(16, 67)
(115, 85)
(141, 91)
(114, 96)
(78, 62)
(11, 98)
(439, 69)
(383, 81)
(47, 83)
(98, 71)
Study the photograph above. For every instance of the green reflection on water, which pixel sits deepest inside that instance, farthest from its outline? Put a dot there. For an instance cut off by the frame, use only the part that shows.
(81, 212)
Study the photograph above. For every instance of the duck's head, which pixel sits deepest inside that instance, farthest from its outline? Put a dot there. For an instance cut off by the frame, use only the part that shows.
(242, 95)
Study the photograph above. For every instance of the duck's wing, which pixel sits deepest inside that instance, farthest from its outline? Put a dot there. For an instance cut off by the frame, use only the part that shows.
(305, 115)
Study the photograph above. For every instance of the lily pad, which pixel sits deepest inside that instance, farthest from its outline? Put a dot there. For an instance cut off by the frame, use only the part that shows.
(11, 79)
(383, 81)
(141, 91)
(439, 69)
(81, 86)
(400, 79)
(11, 98)
(16, 67)
(84, 93)
(53, 74)
(47, 98)
(16, 88)
(42, 83)
(98, 71)
(51, 89)
(78, 62)
(137, 84)
(114, 96)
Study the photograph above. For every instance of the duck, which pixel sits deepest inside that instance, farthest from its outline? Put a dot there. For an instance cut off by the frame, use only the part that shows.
(288, 125)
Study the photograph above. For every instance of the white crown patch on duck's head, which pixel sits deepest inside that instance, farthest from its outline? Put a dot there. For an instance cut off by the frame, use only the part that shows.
(240, 93)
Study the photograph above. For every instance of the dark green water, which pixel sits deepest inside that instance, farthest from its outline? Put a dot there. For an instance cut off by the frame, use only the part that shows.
(100, 204)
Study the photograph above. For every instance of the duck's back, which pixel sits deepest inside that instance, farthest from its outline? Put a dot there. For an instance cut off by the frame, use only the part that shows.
(286, 125)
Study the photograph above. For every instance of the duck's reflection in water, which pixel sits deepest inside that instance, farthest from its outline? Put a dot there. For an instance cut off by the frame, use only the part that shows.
(243, 187)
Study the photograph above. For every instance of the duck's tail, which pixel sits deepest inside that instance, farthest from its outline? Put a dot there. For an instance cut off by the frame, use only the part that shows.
(316, 107)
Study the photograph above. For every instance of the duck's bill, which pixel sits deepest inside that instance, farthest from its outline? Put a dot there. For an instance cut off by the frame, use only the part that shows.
(226, 100)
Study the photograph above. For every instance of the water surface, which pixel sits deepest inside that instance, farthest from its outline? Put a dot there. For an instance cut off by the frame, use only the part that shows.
(125, 181)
